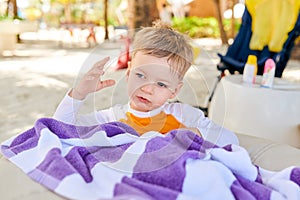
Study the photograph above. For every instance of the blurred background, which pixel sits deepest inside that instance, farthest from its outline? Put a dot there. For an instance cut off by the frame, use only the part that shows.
(87, 22)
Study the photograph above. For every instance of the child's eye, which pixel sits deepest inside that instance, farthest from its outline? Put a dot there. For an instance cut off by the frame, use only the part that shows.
(139, 75)
(160, 84)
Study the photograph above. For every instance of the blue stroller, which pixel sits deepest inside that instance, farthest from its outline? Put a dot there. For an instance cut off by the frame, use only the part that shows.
(237, 53)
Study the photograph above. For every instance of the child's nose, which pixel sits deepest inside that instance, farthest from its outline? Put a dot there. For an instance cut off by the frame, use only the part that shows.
(148, 88)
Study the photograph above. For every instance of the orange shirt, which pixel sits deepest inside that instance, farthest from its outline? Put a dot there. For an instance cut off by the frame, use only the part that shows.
(161, 122)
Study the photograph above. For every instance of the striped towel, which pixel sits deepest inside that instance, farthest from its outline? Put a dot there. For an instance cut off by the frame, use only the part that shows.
(111, 161)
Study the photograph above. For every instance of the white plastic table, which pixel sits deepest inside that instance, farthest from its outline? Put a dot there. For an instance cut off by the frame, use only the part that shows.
(252, 110)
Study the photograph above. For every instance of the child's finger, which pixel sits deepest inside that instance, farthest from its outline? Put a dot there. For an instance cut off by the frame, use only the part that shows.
(97, 69)
(100, 64)
(106, 83)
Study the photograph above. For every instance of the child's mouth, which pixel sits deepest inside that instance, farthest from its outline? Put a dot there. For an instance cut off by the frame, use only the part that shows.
(143, 100)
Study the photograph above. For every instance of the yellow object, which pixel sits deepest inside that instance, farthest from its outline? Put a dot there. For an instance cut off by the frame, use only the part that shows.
(161, 122)
(297, 40)
(252, 60)
(272, 20)
(250, 70)
(196, 50)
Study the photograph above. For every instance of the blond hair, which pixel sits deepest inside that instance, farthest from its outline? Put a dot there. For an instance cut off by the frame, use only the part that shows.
(161, 41)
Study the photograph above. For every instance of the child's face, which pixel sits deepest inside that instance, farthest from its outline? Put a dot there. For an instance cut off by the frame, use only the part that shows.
(150, 82)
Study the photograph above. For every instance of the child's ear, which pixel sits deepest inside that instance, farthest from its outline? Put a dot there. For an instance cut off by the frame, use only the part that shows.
(177, 90)
(128, 69)
(128, 65)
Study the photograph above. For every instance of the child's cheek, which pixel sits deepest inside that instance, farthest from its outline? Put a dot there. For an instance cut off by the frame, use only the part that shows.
(134, 84)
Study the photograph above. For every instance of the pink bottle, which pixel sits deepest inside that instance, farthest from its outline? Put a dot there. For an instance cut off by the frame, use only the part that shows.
(269, 73)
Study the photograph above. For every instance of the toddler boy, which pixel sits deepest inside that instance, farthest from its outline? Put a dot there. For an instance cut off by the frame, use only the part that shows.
(160, 59)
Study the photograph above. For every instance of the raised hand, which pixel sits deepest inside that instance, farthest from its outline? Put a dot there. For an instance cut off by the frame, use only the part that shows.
(91, 81)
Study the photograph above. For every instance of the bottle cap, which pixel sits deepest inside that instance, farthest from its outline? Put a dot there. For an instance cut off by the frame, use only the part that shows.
(269, 64)
(252, 60)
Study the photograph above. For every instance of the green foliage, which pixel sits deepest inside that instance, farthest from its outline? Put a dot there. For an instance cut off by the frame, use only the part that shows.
(227, 25)
(197, 27)
(110, 21)
(7, 18)
(82, 11)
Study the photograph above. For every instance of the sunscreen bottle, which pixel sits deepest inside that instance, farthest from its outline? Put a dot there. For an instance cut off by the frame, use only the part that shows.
(250, 70)
(269, 73)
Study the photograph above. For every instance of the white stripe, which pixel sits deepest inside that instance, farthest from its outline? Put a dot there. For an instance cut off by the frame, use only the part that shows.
(237, 160)
(129, 158)
(100, 139)
(102, 186)
(105, 174)
(283, 187)
(204, 176)
(30, 159)
(286, 188)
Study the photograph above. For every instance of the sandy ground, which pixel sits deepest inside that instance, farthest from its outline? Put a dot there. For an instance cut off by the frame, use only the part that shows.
(35, 78)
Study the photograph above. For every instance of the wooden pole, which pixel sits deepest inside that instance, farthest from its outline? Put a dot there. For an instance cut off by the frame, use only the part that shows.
(106, 19)
(220, 23)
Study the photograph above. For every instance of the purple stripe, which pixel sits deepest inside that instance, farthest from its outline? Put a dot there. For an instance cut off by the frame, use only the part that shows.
(295, 175)
(44, 179)
(6, 152)
(163, 162)
(79, 160)
(27, 140)
(111, 129)
(66, 131)
(258, 178)
(84, 159)
(258, 190)
(104, 154)
(144, 190)
(55, 166)
(125, 189)
(228, 147)
(115, 128)
(62, 130)
(240, 193)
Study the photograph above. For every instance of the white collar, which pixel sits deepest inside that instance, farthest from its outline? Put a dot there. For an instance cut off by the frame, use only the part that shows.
(145, 114)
